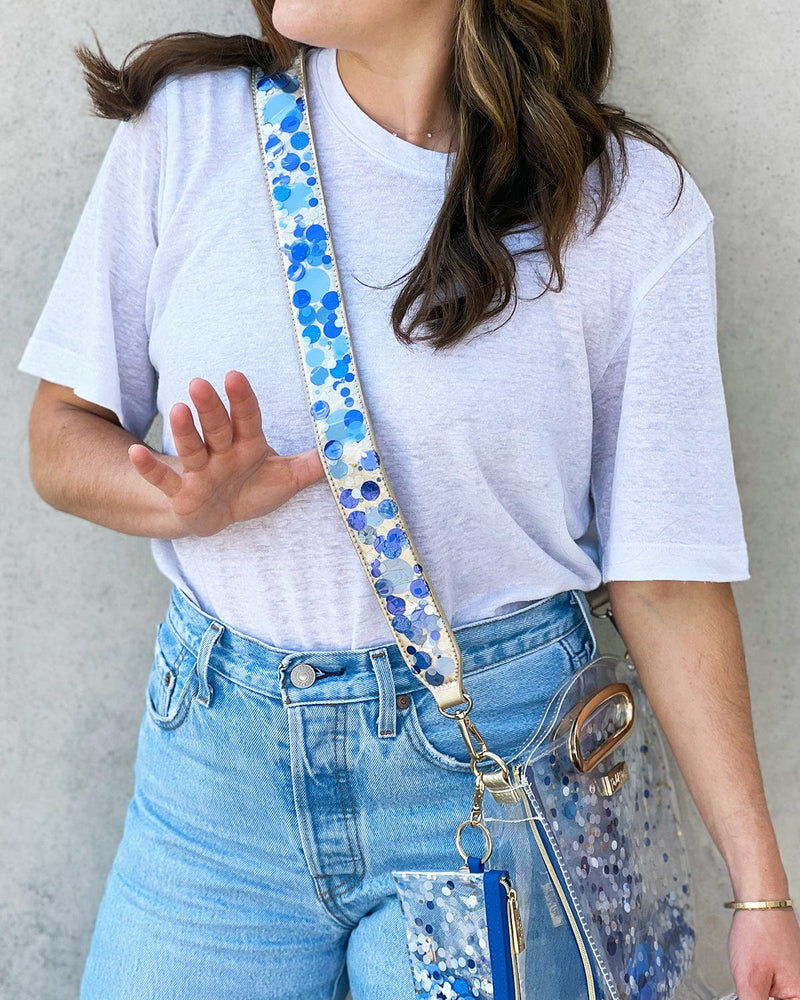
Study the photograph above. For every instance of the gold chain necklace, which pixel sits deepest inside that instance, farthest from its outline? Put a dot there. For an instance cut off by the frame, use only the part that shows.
(428, 134)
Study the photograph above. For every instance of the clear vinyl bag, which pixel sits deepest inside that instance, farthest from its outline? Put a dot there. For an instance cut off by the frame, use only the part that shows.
(590, 825)
(586, 827)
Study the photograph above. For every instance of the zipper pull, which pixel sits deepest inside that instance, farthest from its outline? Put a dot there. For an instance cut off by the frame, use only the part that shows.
(517, 933)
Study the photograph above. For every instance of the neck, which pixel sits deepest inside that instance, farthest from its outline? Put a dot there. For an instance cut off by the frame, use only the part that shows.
(402, 88)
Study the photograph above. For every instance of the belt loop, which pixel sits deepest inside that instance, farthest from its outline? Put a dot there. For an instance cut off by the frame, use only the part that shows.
(586, 610)
(210, 638)
(387, 715)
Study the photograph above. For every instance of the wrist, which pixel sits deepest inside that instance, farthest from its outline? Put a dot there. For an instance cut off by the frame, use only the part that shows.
(759, 882)
(168, 524)
(754, 863)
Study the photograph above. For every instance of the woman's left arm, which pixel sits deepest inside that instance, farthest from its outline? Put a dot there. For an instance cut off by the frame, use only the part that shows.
(686, 642)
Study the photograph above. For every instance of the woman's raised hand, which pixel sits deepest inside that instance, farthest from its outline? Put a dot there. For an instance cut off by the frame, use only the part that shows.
(228, 474)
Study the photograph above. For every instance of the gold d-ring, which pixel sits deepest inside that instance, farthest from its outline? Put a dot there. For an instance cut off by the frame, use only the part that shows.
(484, 829)
(579, 716)
(460, 712)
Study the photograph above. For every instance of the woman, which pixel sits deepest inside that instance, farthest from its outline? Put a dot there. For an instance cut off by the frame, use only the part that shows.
(287, 760)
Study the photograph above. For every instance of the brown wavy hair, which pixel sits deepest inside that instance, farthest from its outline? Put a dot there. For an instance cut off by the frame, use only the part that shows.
(525, 105)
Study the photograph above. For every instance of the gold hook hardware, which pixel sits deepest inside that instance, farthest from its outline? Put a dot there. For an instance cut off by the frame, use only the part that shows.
(476, 815)
(470, 733)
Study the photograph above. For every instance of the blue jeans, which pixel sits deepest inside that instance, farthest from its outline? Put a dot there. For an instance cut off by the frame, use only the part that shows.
(276, 790)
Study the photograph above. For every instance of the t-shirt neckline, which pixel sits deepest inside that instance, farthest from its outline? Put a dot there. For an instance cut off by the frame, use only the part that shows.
(403, 155)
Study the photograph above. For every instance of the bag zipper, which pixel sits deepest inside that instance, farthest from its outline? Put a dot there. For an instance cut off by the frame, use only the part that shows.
(579, 938)
(516, 932)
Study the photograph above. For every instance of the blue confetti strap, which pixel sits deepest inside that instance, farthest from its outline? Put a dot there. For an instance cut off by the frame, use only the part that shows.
(339, 417)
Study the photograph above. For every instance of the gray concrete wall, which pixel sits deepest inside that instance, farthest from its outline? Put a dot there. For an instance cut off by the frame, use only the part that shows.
(80, 603)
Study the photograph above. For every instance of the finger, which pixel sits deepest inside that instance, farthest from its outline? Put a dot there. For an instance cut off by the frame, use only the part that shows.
(245, 411)
(214, 420)
(307, 468)
(188, 443)
(756, 985)
(156, 473)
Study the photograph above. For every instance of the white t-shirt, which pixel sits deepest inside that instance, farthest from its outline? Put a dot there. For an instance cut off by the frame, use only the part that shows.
(586, 439)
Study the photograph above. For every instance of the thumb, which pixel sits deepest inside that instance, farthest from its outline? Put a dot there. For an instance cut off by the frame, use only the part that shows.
(307, 468)
(756, 985)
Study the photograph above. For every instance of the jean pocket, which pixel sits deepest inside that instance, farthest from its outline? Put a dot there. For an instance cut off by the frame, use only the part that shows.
(172, 683)
(509, 698)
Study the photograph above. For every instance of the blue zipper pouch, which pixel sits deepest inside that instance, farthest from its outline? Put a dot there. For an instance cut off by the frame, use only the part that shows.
(464, 932)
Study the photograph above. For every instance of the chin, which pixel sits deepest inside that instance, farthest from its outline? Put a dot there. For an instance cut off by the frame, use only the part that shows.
(322, 23)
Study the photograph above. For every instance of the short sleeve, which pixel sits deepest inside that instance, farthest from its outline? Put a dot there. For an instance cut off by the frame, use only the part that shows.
(665, 494)
(92, 334)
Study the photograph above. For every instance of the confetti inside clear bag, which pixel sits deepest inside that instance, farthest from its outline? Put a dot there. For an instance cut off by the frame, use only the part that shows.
(591, 813)
(463, 933)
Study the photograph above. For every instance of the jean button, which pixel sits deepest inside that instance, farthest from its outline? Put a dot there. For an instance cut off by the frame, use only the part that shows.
(303, 675)
(403, 701)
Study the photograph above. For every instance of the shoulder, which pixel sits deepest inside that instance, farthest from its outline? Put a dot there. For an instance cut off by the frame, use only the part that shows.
(187, 116)
(193, 127)
(652, 189)
(182, 95)
(653, 217)
(199, 98)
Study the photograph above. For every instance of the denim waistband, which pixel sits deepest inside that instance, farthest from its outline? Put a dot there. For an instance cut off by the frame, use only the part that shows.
(350, 674)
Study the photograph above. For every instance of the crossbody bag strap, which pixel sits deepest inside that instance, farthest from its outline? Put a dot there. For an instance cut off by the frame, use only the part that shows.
(342, 429)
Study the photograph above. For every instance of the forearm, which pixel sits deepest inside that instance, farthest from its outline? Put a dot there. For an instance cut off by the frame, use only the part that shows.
(80, 465)
(685, 640)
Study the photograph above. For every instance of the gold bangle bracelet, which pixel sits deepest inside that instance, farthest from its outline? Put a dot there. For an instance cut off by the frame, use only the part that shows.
(761, 904)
